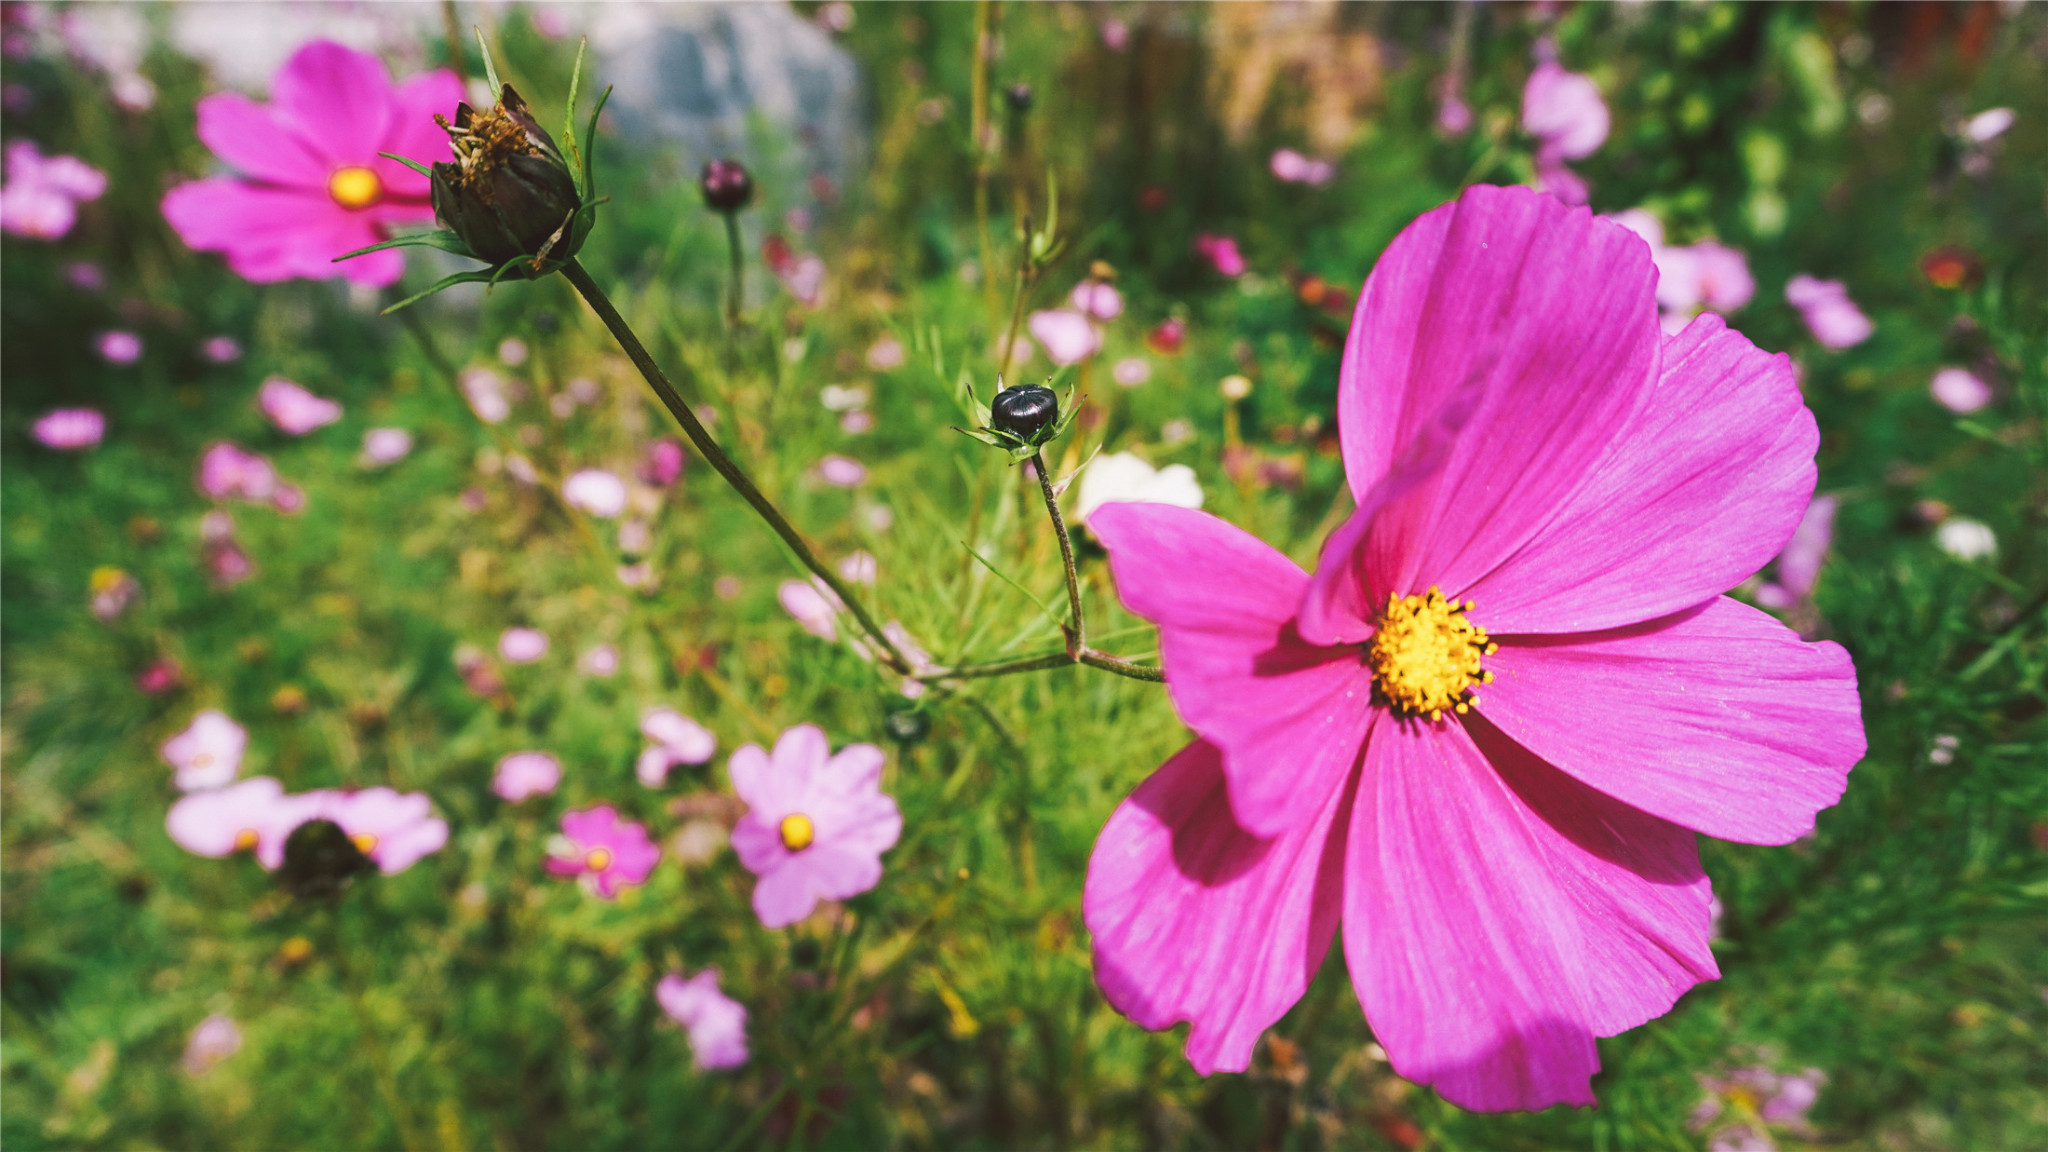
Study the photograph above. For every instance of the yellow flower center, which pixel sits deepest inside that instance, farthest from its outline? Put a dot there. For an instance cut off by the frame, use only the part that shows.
(203, 760)
(355, 187)
(106, 579)
(797, 832)
(1425, 656)
(364, 842)
(598, 860)
(245, 840)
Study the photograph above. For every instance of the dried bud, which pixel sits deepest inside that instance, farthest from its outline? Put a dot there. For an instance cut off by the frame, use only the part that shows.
(1024, 412)
(1019, 97)
(509, 193)
(727, 186)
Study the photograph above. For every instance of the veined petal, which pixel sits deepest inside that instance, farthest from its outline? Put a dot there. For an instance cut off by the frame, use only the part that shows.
(1196, 919)
(340, 101)
(1700, 491)
(1718, 718)
(1499, 916)
(246, 135)
(1288, 716)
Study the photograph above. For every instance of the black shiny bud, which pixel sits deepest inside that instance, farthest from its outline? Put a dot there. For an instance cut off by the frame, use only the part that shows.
(727, 186)
(907, 726)
(320, 860)
(1019, 97)
(1024, 411)
(509, 193)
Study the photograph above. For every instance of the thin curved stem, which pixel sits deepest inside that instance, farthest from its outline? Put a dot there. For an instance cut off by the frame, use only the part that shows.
(709, 449)
(1077, 635)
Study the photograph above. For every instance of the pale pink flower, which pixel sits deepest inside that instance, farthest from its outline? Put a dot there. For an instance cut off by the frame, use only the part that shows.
(816, 823)
(395, 830)
(640, 577)
(1798, 565)
(252, 815)
(208, 753)
(1067, 336)
(289, 499)
(230, 472)
(524, 774)
(382, 446)
(1221, 253)
(293, 409)
(118, 347)
(522, 645)
(812, 604)
(113, 591)
(1116, 35)
(214, 1040)
(221, 349)
(595, 491)
(485, 391)
(1295, 168)
(804, 276)
(603, 660)
(885, 354)
(41, 195)
(857, 422)
(858, 567)
(677, 740)
(1959, 390)
(1704, 275)
(311, 184)
(69, 429)
(1563, 110)
(603, 851)
(636, 537)
(513, 351)
(226, 562)
(1988, 125)
(1132, 371)
(1830, 315)
(842, 471)
(1098, 300)
(1453, 116)
(85, 276)
(715, 1022)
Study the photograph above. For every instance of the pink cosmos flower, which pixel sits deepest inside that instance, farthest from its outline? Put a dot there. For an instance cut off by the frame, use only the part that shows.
(1830, 315)
(716, 1023)
(1168, 337)
(221, 349)
(85, 276)
(812, 604)
(1221, 253)
(69, 429)
(1798, 568)
(1116, 35)
(382, 446)
(804, 276)
(1486, 731)
(1098, 300)
(118, 347)
(1957, 389)
(522, 645)
(252, 815)
(208, 753)
(816, 824)
(595, 491)
(214, 1040)
(1068, 337)
(677, 740)
(1705, 275)
(513, 351)
(842, 471)
(289, 499)
(230, 472)
(226, 562)
(1773, 1097)
(483, 388)
(859, 567)
(395, 830)
(605, 852)
(1294, 168)
(294, 410)
(524, 774)
(664, 463)
(310, 184)
(41, 195)
(1563, 110)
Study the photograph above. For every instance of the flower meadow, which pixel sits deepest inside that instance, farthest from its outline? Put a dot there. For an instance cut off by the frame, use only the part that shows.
(1069, 575)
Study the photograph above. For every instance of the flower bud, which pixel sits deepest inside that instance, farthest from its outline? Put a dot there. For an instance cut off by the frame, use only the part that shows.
(509, 193)
(907, 726)
(1024, 411)
(727, 186)
(320, 860)
(1019, 97)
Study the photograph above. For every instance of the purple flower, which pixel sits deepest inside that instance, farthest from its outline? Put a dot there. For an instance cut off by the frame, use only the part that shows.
(383, 446)
(607, 853)
(522, 645)
(393, 829)
(859, 567)
(1959, 390)
(716, 1023)
(227, 471)
(1068, 337)
(214, 1040)
(1830, 315)
(677, 740)
(524, 774)
(69, 429)
(595, 491)
(118, 347)
(252, 815)
(294, 410)
(85, 276)
(663, 465)
(1294, 168)
(208, 753)
(41, 195)
(842, 471)
(1221, 253)
(816, 824)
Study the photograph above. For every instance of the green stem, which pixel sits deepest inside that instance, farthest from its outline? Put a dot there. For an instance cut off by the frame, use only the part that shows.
(737, 292)
(1077, 635)
(1024, 268)
(709, 449)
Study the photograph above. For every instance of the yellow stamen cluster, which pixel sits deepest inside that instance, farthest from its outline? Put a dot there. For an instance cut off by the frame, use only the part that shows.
(364, 842)
(245, 840)
(355, 187)
(598, 860)
(1425, 656)
(485, 141)
(797, 832)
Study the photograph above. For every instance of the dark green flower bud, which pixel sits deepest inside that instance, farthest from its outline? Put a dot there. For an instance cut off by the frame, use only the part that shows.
(509, 194)
(1019, 97)
(1024, 411)
(320, 860)
(727, 185)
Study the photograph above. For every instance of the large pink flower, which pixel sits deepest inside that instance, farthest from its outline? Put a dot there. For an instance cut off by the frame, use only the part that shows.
(816, 823)
(1496, 793)
(309, 183)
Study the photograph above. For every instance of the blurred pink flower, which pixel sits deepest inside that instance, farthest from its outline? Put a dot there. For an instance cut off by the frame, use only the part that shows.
(289, 499)
(857, 422)
(716, 1023)
(524, 774)
(1563, 110)
(69, 429)
(485, 391)
(1830, 315)
(85, 276)
(1774, 1097)
(640, 577)
(395, 830)
(229, 472)
(602, 660)
(1168, 337)
(118, 347)
(663, 464)
(1098, 300)
(208, 753)
(1294, 168)
(816, 824)
(161, 676)
(227, 564)
(252, 815)
(1959, 390)
(311, 185)
(677, 740)
(221, 349)
(1705, 275)
(812, 604)
(214, 1040)
(636, 538)
(1453, 116)
(41, 195)
(1067, 336)
(885, 354)
(858, 567)
(1798, 565)
(293, 409)
(605, 852)
(804, 276)
(1132, 371)
(1221, 253)
(1988, 125)
(513, 351)
(595, 491)
(842, 471)
(383, 446)
(522, 645)
(1116, 35)
(112, 592)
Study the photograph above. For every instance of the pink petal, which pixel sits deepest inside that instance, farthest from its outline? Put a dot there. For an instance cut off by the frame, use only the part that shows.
(272, 234)
(1696, 495)
(1719, 718)
(1194, 918)
(1499, 916)
(249, 138)
(338, 99)
(412, 132)
(784, 895)
(1289, 717)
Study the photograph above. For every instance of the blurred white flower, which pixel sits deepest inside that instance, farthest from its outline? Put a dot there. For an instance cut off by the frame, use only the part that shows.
(595, 491)
(1959, 390)
(1966, 539)
(1123, 477)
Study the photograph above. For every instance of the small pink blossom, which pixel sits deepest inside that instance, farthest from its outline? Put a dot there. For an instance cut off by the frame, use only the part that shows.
(1773, 1097)
(162, 675)
(1988, 125)
(1705, 275)
(214, 1040)
(208, 753)
(603, 660)
(1563, 110)
(677, 740)
(1221, 253)
(842, 471)
(227, 564)
(382, 446)
(1295, 168)
(1168, 337)
(1132, 371)
(603, 851)
(716, 1023)
(804, 276)
(227, 471)
(812, 604)
(1453, 116)
(69, 429)
(816, 823)
(85, 276)
(595, 491)
(885, 354)
(41, 195)
(118, 347)
(663, 464)
(1116, 35)
(395, 830)
(1830, 315)
(1068, 337)
(289, 499)
(858, 567)
(293, 409)
(113, 591)
(311, 184)
(522, 645)
(1959, 390)
(1098, 300)
(252, 815)
(857, 422)
(640, 577)
(485, 391)
(524, 774)
(636, 537)
(512, 351)
(221, 349)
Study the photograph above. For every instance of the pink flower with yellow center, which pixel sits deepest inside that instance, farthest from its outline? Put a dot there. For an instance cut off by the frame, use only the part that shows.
(816, 823)
(1484, 733)
(309, 184)
(603, 851)
(208, 753)
(252, 815)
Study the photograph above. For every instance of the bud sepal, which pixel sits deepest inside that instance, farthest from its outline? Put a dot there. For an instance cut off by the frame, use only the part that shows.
(1025, 418)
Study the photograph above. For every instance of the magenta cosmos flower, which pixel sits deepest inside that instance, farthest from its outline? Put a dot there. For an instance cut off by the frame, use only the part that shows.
(293, 409)
(70, 429)
(605, 852)
(816, 824)
(716, 1023)
(1830, 315)
(1484, 732)
(310, 184)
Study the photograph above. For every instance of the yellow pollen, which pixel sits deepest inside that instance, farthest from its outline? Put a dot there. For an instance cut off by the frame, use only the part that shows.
(797, 832)
(364, 842)
(245, 840)
(355, 187)
(598, 860)
(1425, 656)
